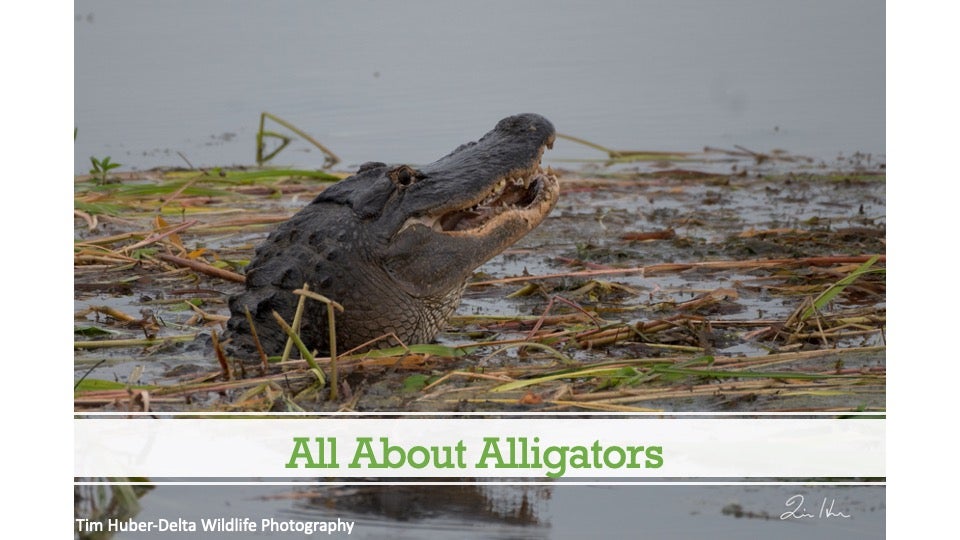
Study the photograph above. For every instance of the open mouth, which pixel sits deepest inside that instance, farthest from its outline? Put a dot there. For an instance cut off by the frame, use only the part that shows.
(526, 194)
(515, 193)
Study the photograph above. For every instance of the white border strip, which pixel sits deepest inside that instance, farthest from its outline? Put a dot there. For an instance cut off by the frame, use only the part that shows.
(621, 448)
(490, 483)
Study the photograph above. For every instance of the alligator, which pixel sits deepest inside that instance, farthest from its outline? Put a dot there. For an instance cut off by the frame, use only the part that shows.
(395, 244)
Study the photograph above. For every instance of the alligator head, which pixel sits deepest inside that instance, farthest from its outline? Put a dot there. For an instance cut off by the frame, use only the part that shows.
(395, 244)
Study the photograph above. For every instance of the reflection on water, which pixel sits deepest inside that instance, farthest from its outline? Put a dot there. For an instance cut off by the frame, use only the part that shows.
(429, 511)
(559, 511)
(394, 81)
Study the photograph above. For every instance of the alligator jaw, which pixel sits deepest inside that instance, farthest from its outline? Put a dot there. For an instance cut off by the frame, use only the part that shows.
(520, 195)
(527, 194)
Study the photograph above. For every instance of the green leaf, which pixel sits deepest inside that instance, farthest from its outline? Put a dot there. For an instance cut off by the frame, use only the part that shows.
(109, 209)
(185, 305)
(91, 331)
(90, 385)
(838, 287)
(142, 190)
(142, 252)
(621, 376)
(415, 383)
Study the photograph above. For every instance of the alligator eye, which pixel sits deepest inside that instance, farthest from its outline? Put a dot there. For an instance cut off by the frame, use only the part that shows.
(404, 175)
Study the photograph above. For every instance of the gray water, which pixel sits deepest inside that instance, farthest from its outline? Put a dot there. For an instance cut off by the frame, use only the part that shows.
(409, 81)
(559, 512)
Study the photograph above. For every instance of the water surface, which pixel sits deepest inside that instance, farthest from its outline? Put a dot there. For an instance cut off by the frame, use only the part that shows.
(669, 512)
(409, 81)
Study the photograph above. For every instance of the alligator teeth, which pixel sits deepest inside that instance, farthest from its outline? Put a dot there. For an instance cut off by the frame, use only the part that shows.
(498, 191)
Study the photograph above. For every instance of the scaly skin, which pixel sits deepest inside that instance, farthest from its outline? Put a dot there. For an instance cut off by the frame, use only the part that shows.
(395, 244)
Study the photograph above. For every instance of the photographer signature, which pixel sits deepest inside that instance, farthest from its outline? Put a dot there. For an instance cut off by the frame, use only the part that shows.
(798, 511)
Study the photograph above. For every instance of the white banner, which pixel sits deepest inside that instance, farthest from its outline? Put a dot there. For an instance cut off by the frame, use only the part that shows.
(629, 448)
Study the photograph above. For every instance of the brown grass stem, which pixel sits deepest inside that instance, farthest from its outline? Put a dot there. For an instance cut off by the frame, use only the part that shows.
(158, 236)
(202, 267)
(256, 339)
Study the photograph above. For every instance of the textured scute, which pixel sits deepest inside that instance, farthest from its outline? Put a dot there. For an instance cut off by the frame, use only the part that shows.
(372, 309)
(281, 266)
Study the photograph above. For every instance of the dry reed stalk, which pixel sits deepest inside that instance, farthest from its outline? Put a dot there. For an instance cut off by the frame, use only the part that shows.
(221, 357)
(113, 343)
(108, 260)
(155, 237)
(256, 340)
(202, 267)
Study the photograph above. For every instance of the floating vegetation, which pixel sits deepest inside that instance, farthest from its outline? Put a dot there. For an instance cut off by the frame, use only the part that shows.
(330, 158)
(659, 290)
